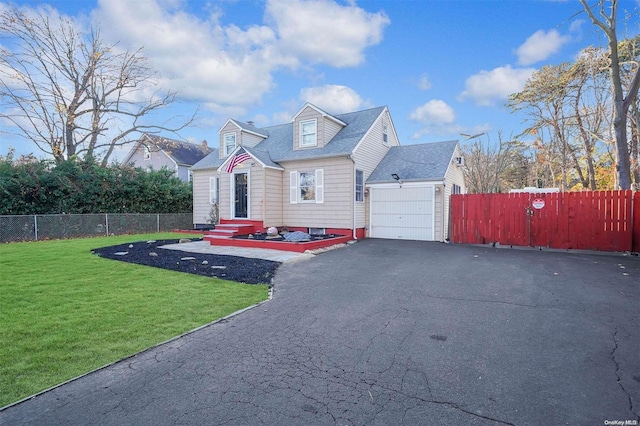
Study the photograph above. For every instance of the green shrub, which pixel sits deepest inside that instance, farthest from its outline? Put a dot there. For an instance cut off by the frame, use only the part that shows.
(31, 186)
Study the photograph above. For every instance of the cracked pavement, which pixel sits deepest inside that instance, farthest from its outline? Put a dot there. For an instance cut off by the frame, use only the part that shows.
(391, 332)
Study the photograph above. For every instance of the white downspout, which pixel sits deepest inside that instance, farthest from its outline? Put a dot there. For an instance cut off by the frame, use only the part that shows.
(353, 199)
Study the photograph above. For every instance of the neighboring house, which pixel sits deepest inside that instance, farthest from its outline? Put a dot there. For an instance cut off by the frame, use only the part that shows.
(330, 173)
(155, 152)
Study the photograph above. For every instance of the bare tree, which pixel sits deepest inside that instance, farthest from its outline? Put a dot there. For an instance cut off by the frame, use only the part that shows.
(567, 109)
(490, 168)
(629, 51)
(545, 97)
(588, 94)
(621, 103)
(72, 94)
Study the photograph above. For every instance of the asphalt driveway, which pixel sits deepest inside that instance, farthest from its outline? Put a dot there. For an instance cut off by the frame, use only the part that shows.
(391, 333)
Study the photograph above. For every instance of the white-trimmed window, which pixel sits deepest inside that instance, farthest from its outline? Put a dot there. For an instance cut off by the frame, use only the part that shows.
(147, 152)
(214, 190)
(385, 134)
(456, 189)
(306, 187)
(309, 132)
(359, 186)
(229, 143)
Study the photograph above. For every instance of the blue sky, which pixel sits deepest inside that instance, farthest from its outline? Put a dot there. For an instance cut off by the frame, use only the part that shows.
(442, 67)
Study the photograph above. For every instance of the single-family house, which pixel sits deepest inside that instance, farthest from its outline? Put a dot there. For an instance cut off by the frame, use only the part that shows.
(156, 152)
(344, 174)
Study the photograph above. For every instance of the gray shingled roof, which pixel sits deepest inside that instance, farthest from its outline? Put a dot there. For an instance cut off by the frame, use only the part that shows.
(183, 153)
(279, 144)
(427, 161)
(250, 127)
(263, 156)
(278, 147)
(211, 161)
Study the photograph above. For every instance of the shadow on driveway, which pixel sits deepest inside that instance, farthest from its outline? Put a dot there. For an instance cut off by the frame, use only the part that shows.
(391, 332)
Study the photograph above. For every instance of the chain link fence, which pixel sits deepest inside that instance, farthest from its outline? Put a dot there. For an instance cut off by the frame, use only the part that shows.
(63, 226)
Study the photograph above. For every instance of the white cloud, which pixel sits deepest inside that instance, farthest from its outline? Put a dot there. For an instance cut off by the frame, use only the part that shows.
(199, 58)
(333, 98)
(323, 31)
(539, 46)
(576, 26)
(224, 66)
(435, 117)
(435, 112)
(424, 83)
(489, 87)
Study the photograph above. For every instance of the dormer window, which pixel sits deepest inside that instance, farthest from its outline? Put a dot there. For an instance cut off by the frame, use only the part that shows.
(309, 133)
(229, 143)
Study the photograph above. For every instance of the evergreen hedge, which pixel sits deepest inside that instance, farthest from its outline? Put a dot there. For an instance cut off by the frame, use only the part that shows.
(31, 186)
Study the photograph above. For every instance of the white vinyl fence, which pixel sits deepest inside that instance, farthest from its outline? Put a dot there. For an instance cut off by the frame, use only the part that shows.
(62, 226)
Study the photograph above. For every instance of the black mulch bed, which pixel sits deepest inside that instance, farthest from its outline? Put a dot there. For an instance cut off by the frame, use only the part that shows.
(233, 268)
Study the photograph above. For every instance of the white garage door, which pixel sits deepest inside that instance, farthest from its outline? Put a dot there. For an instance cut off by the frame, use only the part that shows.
(405, 213)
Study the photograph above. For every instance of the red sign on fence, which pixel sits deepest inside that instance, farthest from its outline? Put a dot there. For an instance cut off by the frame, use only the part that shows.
(594, 220)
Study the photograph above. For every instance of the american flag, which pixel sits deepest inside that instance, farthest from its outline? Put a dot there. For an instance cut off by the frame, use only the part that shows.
(237, 159)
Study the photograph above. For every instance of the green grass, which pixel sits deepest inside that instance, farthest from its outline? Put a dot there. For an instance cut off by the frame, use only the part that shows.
(65, 311)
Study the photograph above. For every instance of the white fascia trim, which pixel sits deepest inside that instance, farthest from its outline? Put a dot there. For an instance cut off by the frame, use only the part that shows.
(127, 158)
(230, 156)
(264, 166)
(393, 127)
(456, 153)
(405, 183)
(319, 111)
(371, 128)
(242, 129)
(230, 120)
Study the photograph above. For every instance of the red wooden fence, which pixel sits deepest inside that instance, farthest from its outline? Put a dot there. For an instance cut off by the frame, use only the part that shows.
(594, 220)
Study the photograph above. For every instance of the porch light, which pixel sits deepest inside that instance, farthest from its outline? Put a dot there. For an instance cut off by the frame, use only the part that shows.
(396, 177)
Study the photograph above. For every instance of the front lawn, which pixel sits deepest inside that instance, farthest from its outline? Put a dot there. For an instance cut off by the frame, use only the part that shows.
(65, 311)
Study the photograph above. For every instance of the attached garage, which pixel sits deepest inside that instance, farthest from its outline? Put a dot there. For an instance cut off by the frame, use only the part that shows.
(408, 192)
(402, 212)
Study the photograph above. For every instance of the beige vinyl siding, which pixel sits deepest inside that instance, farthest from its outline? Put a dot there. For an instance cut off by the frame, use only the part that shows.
(331, 128)
(367, 156)
(439, 217)
(454, 175)
(250, 140)
(225, 196)
(308, 114)
(256, 191)
(201, 205)
(336, 210)
(273, 197)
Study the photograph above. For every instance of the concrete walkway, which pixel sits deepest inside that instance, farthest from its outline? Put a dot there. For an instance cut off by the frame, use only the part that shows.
(257, 253)
(391, 333)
